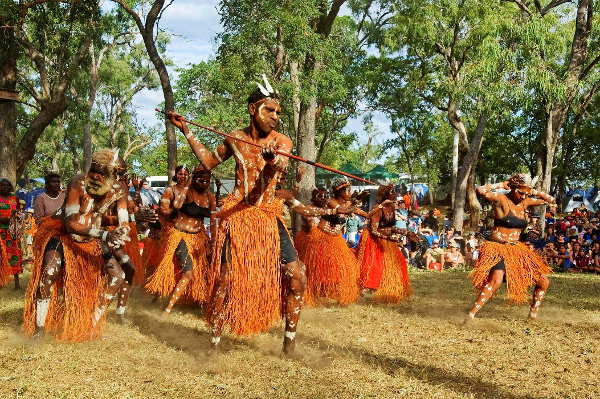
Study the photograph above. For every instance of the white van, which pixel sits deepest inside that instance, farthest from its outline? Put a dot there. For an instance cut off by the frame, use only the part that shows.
(158, 182)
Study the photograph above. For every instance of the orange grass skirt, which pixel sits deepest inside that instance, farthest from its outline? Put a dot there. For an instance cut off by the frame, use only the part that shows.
(81, 283)
(5, 270)
(524, 268)
(254, 278)
(332, 270)
(165, 276)
(383, 268)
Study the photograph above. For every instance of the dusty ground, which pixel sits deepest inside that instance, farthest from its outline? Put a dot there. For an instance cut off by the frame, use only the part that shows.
(419, 349)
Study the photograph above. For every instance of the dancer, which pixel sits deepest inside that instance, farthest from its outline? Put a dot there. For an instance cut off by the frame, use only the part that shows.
(503, 256)
(319, 198)
(8, 208)
(252, 242)
(332, 270)
(383, 266)
(69, 254)
(184, 206)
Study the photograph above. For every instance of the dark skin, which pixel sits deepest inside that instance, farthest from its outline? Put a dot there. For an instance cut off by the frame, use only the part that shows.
(53, 186)
(515, 203)
(257, 174)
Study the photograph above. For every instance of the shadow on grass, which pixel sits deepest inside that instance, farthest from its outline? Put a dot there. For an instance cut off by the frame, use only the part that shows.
(176, 336)
(455, 381)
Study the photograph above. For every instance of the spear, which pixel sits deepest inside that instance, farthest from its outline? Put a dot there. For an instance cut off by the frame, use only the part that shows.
(285, 154)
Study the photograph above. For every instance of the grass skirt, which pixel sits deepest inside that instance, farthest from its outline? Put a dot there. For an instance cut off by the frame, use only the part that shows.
(5, 271)
(332, 270)
(164, 278)
(78, 288)
(383, 268)
(253, 275)
(524, 268)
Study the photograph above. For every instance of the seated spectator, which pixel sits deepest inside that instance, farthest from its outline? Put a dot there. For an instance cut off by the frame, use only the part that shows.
(563, 259)
(549, 253)
(453, 258)
(434, 256)
(431, 221)
(414, 221)
(430, 236)
(471, 250)
(582, 261)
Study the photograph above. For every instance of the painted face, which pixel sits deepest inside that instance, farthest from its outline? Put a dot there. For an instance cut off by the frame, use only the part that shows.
(520, 193)
(182, 176)
(98, 180)
(5, 188)
(265, 115)
(344, 193)
(201, 181)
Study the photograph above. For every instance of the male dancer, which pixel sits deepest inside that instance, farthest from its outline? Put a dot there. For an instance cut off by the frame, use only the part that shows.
(252, 242)
(69, 247)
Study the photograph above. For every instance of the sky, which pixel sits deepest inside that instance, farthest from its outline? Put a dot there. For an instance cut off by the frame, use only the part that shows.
(193, 25)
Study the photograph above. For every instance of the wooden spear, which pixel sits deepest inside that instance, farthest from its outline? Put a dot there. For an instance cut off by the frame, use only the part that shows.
(285, 154)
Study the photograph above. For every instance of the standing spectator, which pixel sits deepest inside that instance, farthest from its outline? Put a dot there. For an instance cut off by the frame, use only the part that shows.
(414, 222)
(353, 224)
(401, 216)
(407, 200)
(148, 195)
(51, 200)
(8, 207)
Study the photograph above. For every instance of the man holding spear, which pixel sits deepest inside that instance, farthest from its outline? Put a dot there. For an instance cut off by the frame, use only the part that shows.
(254, 262)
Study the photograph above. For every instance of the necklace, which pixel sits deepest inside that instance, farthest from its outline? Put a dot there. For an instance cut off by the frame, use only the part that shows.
(57, 195)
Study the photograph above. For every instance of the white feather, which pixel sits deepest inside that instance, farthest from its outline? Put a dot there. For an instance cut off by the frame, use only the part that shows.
(267, 84)
(262, 89)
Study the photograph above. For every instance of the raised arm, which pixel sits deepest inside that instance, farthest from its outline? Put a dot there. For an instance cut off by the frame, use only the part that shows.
(165, 209)
(487, 191)
(539, 198)
(209, 159)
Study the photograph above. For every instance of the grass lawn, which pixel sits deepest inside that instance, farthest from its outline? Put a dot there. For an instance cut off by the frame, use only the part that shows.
(419, 349)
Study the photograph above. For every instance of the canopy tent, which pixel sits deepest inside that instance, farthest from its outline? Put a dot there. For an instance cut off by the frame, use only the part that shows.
(379, 172)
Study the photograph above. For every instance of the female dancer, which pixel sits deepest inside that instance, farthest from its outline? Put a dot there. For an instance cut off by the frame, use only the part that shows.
(332, 270)
(8, 207)
(318, 199)
(383, 267)
(503, 256)
(185, 205)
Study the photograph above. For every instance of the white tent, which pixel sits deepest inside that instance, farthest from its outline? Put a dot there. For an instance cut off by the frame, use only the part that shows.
(576, 201)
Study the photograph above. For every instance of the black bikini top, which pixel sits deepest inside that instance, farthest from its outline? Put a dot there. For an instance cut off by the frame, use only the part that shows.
(334, 219)
(510, 221)
(194, 210)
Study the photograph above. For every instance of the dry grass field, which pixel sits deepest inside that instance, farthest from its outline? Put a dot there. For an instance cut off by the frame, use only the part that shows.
(419, 349)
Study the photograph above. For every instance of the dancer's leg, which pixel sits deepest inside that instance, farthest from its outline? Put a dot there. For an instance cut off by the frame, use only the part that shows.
(494, 282)
(538, 296)
(185, 261)
(51, 268)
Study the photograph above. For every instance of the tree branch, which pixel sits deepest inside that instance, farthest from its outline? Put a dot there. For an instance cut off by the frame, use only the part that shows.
(132, 13)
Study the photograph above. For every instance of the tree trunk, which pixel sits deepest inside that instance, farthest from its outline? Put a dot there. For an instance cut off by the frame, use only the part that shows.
(455, 141)
(8, 109)
(165, 83)
(472, 201)
(468, 164)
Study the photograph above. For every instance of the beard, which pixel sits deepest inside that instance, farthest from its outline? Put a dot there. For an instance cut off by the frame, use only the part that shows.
(98, 188)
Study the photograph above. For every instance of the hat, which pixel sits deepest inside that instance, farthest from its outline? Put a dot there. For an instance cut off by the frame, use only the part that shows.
(454, 244)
